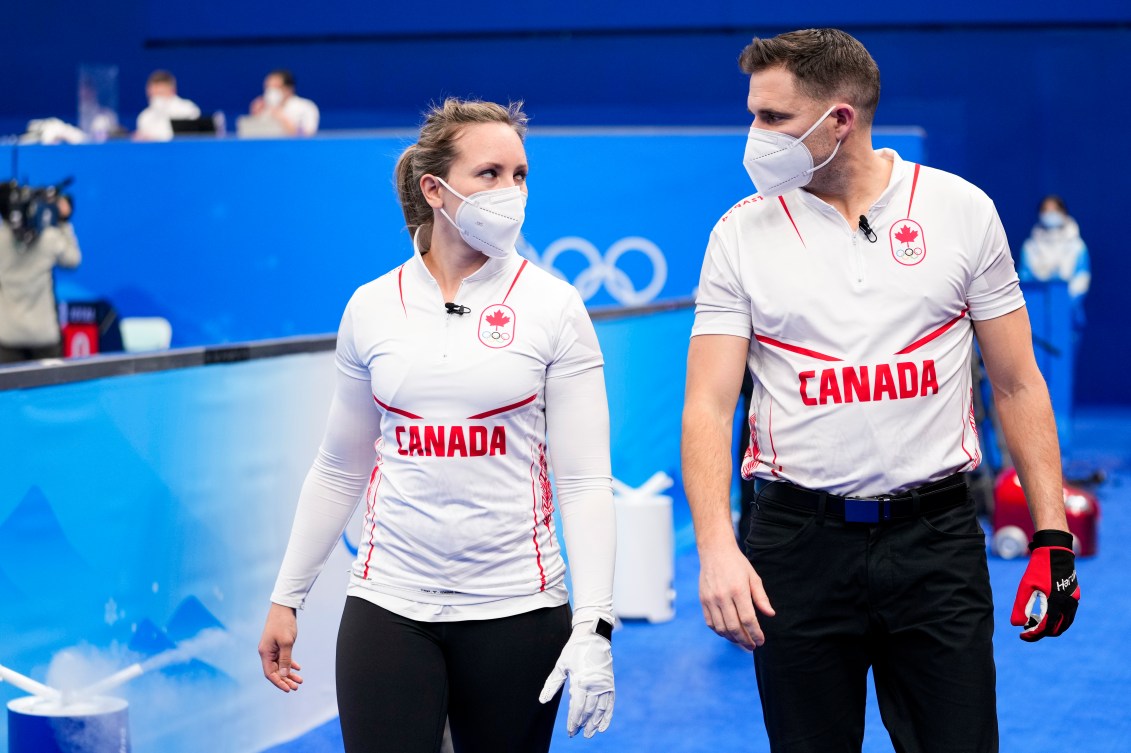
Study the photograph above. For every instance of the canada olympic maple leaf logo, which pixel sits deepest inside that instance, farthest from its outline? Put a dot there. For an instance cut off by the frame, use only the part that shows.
(496, 326)
(908, 244)
(498, 319)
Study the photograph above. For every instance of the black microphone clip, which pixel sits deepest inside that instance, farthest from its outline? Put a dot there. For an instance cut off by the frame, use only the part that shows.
(455, 308)
(867, 229)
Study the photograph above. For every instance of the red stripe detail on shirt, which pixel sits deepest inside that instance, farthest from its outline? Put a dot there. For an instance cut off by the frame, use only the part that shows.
(535, 498)
(369, 514)
(770, 431)
(504, 409)
(965, 426)
(794, 348)
(927, 338)
(790, 216)
(914, 181)
(516, 274)
(400, 288)
(398, 411)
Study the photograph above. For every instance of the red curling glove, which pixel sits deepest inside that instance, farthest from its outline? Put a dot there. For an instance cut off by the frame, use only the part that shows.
(1051, 579)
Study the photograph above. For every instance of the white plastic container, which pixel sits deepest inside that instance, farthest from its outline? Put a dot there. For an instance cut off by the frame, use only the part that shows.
(645, 563)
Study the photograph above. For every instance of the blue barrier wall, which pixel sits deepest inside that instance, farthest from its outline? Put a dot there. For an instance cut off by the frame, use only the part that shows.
(245, 240)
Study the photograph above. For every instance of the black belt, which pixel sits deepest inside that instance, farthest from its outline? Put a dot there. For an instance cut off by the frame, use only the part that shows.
(939, 495)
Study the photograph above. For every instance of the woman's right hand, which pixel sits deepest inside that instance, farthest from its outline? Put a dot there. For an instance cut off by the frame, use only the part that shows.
(275, 646)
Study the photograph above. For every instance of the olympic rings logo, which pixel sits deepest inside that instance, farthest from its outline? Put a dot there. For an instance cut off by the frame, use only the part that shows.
(907, 252)
(493, 335)
(603, 269)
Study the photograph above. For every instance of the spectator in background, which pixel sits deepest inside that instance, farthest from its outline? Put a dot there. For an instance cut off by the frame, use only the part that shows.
(297, 116)
(1055, 251)
(29, 319)
(153, 124)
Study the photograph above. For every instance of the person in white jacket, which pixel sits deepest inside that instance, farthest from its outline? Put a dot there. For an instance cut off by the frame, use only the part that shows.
(464, 375)
(1054, 250)
(295, 115)
(154, 122)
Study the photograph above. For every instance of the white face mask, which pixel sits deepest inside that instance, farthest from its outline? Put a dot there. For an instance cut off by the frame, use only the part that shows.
(161, 102)
(489, 221)
(273, 97)
(778, 163)
(1052, 220)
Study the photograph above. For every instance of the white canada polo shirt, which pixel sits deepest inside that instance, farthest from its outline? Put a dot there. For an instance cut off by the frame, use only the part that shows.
(459, 507)
(860, 351)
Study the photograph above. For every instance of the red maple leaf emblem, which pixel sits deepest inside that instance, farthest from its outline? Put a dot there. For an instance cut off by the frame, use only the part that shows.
(906, 235)
(498, 319)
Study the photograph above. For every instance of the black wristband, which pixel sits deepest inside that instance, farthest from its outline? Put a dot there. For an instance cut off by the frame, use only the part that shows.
(604, 628)
(1051, 537)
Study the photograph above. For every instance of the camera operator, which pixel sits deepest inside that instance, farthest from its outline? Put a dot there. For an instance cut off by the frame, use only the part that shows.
(35, 237)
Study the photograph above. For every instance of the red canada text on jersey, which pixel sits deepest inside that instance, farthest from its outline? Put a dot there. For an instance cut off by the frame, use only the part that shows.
(454, 441)
(748, 200)
(862, 384)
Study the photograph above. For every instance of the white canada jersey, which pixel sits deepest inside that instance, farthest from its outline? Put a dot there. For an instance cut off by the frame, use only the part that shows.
(860, 350)
(458, 509)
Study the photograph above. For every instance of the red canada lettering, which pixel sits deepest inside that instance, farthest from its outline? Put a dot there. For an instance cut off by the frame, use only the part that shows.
(744, 202)
(930, 379)
(804, 377)
(908, 379)
(414, 445)
(856, 383)
(884, 383)
(477, 436)
(457, 445)
(438, 441)
(498, 441)
(434, 441)
(830, 389)
(864, 384)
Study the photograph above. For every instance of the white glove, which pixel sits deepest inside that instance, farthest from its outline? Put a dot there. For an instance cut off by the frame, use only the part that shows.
(588, 660)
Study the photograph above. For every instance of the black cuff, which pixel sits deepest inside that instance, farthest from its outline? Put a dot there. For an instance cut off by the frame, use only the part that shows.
(604, 628)
(1051, 537)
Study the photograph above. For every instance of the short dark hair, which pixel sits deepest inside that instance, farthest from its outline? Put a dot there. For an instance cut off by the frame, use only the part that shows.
(285, 76)
(826, 63)
(161, 77)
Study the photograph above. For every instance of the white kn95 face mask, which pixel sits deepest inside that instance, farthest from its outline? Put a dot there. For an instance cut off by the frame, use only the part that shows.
(489, 221)
(778, 162)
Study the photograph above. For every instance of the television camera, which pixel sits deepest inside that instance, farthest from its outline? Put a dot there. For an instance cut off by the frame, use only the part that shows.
(28, 210)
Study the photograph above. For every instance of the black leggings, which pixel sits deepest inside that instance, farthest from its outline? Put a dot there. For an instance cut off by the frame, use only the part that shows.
(398, 679)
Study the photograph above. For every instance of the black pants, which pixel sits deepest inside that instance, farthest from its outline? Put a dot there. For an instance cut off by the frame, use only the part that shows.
(397, 680)
(17, 353)
(910, 599)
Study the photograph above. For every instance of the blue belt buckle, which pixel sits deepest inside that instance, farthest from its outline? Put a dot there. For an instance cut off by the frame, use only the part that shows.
(867, 509)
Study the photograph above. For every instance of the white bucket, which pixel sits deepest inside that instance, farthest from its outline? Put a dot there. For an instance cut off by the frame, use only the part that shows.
(645, 562)
(92, 725)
